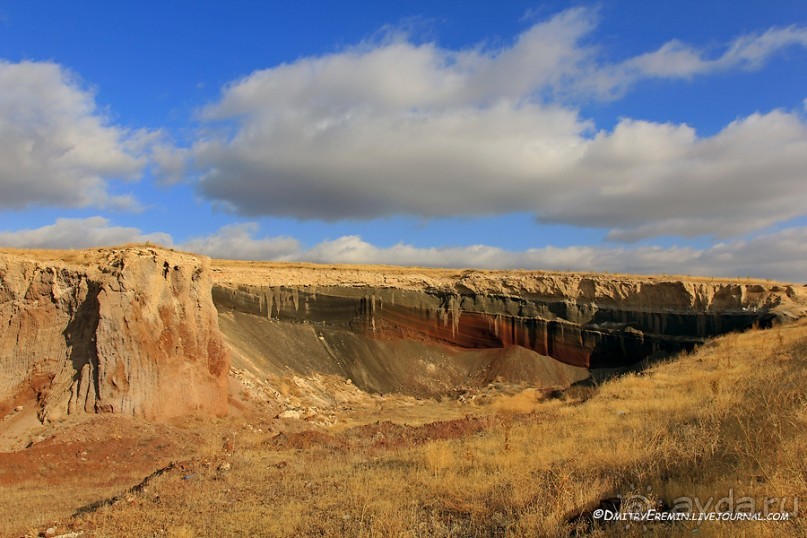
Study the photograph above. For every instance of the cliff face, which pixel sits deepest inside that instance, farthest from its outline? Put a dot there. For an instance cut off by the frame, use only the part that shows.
(149, 332)
(582, 320)
(130, 331)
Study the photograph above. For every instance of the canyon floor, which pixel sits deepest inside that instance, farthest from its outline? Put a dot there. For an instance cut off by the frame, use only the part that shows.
(310, 449)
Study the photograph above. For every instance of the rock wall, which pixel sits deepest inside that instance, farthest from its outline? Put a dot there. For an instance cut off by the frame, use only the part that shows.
(130, 331)
(136, 330)
(588, 322)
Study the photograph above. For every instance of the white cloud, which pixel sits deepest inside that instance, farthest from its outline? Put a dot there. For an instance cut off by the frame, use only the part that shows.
(778, 255)
(397, 128)
(237, 241)
(79, 233)
(56, 148)
(753, 50)
(645, 179)
(675, 59)
(466, 161)
(170, 162)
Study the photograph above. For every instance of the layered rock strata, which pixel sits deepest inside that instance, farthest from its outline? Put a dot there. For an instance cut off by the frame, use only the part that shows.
(580, 320)
(149, 332)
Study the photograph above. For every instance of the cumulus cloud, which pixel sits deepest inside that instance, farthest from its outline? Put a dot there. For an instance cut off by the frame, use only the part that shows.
(238, 242)
(352, 249)
(79, 233)
(645, 179)
(170, 163)
(778, 255)
(400, 128)
(56, 148)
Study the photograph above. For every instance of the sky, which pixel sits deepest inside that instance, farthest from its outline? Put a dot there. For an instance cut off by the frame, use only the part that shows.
(623, 136)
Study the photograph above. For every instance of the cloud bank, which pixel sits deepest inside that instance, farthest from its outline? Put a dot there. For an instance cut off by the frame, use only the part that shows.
(80, 233)
(779, 255)
(398, 128)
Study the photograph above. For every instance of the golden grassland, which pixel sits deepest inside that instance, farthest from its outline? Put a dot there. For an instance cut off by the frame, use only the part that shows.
(727, 419)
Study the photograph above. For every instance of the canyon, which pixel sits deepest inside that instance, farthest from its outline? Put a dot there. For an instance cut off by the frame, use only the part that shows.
(154, 333)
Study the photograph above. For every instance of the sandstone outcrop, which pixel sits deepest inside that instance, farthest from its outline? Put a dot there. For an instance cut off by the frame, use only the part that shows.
(131, 331)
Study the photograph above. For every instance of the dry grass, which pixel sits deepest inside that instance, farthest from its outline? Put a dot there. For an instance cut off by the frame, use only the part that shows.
(448, 272)
(79, 256)
(75, 256)
(730, 417)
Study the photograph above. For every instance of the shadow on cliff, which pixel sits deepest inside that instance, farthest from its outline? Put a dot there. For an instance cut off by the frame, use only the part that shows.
(80, 337)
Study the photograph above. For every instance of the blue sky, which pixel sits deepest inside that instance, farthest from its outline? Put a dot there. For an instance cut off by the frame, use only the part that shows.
(653, 137)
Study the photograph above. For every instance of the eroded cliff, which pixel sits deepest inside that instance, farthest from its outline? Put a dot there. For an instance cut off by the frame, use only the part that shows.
(149, 332)
(129, 331)
(583, 320)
